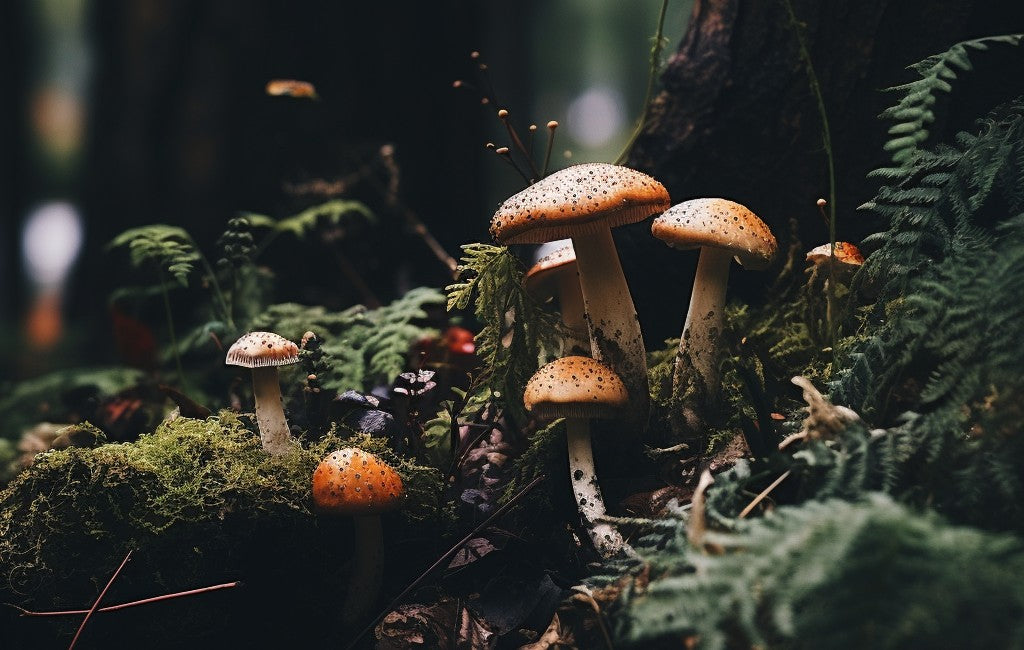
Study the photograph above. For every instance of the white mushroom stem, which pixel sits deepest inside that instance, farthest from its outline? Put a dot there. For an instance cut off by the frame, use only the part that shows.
(587, 491)
(615, 336)
(699, 344)
(269, 411)
(570, 300)
(367, 569)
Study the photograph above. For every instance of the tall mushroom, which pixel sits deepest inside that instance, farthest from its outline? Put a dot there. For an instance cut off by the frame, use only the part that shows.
(722, 230)
(555, 275)
(263, 352)
(584, 202)
(579, 389)
(354, 482)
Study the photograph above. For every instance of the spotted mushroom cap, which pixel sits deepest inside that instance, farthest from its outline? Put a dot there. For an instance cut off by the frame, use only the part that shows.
(351, 481)
(846, 253)
(578, 200)
(538, 280)
(576, 387)
(258, 349)
(719, 223)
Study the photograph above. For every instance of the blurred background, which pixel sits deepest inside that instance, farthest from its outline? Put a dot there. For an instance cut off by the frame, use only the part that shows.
(121, 114)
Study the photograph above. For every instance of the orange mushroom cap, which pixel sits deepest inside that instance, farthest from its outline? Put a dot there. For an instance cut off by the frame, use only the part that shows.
(846, 253)
(351, 481)
(290, 88)
(576, 387)
(719, 223)
(578, 200)
(539, 280)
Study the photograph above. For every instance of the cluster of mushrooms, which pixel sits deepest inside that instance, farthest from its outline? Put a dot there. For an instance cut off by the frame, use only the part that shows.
(606, 377)
(603, 373)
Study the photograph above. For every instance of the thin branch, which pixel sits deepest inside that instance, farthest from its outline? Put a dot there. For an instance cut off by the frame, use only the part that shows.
(134, 603)
(446, 557)
(760, 497)
(659, 43)
(96, 603)
(826, 140)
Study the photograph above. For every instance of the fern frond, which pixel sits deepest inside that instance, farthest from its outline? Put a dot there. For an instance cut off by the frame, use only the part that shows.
(912, 113)
(169, 248)
(337, 213)
(516, 331)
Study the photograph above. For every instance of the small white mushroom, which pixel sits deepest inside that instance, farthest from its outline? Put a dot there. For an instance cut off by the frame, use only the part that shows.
(263, 352)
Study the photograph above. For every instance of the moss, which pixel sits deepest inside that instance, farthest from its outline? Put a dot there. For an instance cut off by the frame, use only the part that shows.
(200, 502)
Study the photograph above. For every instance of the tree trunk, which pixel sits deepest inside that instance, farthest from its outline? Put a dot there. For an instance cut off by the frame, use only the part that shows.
(736, 117)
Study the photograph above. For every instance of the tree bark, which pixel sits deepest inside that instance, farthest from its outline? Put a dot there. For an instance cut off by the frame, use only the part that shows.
(736, 117)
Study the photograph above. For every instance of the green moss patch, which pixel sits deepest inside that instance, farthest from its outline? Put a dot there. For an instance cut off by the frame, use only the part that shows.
(200, 502)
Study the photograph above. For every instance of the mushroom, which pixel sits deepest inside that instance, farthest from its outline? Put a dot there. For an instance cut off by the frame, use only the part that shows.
(578, 389)
(554, 275)
(848, 257)
(263, 352)
(354, 482)
(584, 202)
(846, 261)
(722, 230)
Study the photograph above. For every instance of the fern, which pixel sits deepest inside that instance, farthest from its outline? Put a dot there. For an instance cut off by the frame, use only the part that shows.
(516, 330)
(913, 112)
(337, 213)
(827, 574)
(169, 248)
(367, 347)
(942, 194)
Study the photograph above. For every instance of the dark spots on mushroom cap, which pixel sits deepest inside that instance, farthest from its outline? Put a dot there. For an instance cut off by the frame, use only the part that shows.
(576, 386)
(577, 196)
(719, 223)
(260, 349)
(351, 481)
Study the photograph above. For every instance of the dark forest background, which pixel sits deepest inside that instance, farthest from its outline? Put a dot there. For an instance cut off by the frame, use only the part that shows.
(179, 129)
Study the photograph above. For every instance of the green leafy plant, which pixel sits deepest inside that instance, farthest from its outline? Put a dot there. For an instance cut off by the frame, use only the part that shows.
(366, 347)
(914, 111)
(829, 574)
(516, 331)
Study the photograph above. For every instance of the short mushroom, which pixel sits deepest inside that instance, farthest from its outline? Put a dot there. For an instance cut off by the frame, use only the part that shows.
(584, 202)
(846, 262)
(848, 257)
(354, 482)
(722, 230)
(555, 275)
(579, 389)
(263, 352)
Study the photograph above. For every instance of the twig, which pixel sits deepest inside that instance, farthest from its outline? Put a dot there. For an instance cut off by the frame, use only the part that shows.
(655, 65)
(96, 603)
(358, 283)
(582, 592)
(826, 140)
(552, 125)
(760, 497)
(170, 329)
(387, 156)
(134, 603)
(446, 557)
